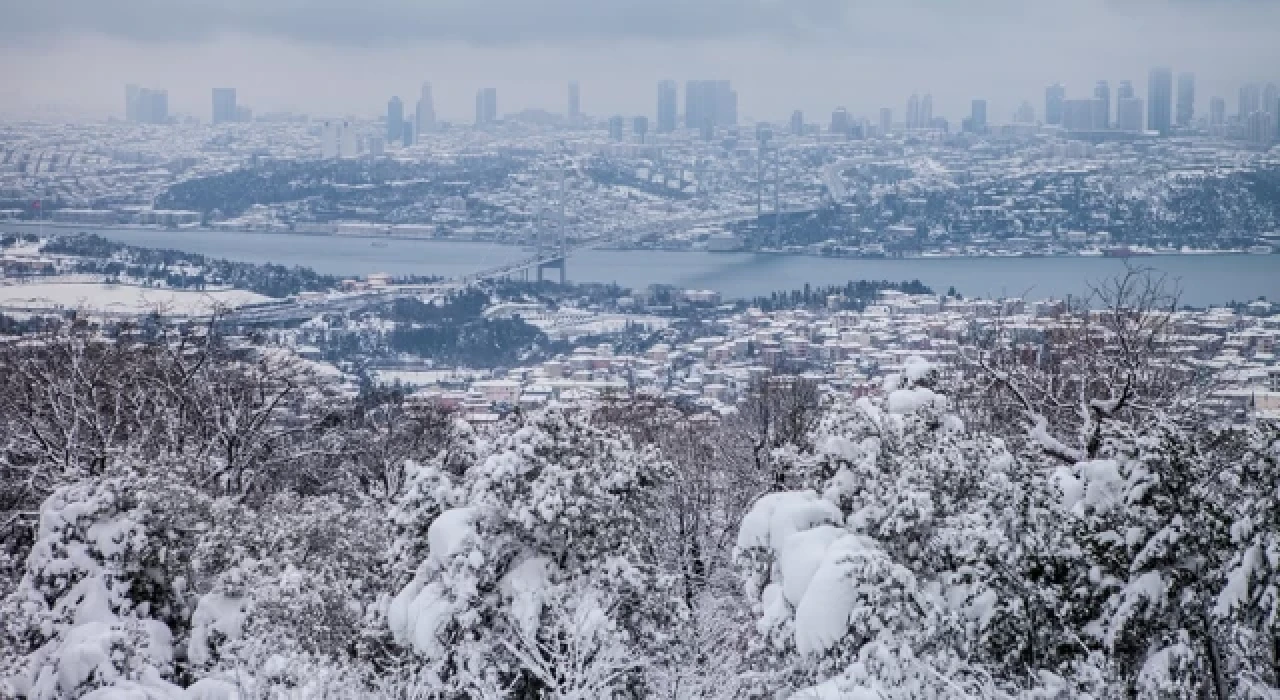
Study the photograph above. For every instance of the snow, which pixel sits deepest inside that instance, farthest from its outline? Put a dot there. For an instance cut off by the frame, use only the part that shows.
(777, 516)
(837, 689)
(1235, 594)
(917, 368)
(904, 401)
(1147, 592)
(822, 615)
(1039, 434)
(801, 556)
(121, 299)
(219, 613)
(418, 614)
(212, 689)
(450, 532)
(525, 586)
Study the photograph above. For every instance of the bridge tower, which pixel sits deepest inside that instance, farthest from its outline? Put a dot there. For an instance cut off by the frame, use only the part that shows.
(768, 174)
(551, 247)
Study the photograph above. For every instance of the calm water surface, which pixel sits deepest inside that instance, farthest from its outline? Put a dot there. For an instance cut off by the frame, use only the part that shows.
(1204, 279)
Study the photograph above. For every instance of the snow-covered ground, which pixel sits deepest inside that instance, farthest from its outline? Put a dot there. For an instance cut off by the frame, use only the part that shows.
(120, 299)
(431, 377)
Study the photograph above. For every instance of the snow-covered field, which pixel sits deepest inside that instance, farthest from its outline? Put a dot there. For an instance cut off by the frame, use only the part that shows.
(120, 299)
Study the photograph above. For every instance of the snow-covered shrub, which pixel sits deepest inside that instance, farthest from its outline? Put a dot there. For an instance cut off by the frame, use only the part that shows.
(876, 579)
(551, 519)
(89, 600)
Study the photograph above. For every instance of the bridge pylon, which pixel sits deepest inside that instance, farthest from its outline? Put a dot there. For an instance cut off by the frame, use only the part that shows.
(552, 249)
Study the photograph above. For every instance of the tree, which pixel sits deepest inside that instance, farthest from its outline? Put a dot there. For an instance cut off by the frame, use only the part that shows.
(552, 510)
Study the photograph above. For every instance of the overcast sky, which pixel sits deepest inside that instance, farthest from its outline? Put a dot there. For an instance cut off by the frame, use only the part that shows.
(339, 57)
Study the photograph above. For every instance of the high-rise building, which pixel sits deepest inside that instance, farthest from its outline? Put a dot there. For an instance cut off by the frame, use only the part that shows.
(1102, 97)
(840, 122)
(1260, 128)
(615, 127)
(395, 119)
(131, 102)
(640, 127)
(667, 107)
(1271, 99)
(886, 121)
(426, 111)
(1079, 114)
(726, 104)
(1129, 114)
(486, 106)
(1026, 114)
(1160, 100)
(224, 105)
(1186, 100)
(978, 117)
(1125, 91)
(797, 123)
(1054, 95)
(1250, 100)
(151, 106)
(926, 111)
(913, 112)
(1217, 111)
(575, 103)
(709, 103)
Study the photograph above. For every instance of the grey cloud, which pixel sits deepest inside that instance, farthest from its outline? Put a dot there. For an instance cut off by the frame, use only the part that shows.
(408, 21)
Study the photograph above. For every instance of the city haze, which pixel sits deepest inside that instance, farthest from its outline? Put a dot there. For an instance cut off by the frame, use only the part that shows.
(71, 59)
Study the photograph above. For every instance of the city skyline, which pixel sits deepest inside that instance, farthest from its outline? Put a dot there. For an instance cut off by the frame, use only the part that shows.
(1060, 106)
(779, 59)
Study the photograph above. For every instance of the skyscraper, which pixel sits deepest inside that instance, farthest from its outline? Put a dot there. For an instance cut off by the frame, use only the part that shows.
(1053, 98)
(426, 111)
(224, 105)
(1250, 100)
(1102, 96)
(640, 127)
(978, 116)
(726, 104)
(1125, 91)
(1079, 114)
(709, 103)
(886, 121)
(152, 106)
(395, 119)
(1026, 114)
(667, 107)
(913, 112)
(797, 123)
(575, 103)
(840, 122)
(486, 106)
(1129, 113)
(1271, 99)
(615, 127)
(1186, 99)
(1217, 111)
(1160, 100)
(131, 102)
(926, 111)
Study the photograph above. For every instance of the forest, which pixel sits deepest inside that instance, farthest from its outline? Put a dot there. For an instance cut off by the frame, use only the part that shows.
(186, 517)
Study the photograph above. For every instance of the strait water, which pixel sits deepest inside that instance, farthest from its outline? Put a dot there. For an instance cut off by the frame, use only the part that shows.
(1203, 279)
